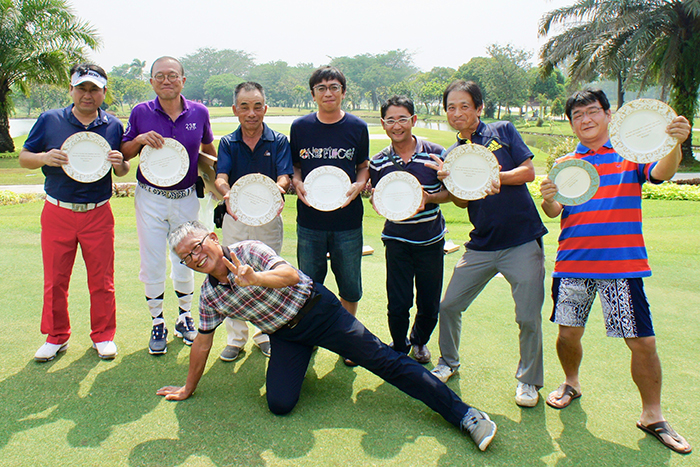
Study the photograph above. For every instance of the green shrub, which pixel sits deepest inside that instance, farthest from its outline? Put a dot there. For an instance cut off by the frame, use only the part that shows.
(9, 197)
(562, 148)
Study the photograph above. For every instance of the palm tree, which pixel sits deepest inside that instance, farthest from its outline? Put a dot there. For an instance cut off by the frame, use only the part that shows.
(39, 41)
(655, 40)
(136, 68)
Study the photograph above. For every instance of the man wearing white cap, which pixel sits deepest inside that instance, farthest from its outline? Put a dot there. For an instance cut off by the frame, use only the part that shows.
(76, 213)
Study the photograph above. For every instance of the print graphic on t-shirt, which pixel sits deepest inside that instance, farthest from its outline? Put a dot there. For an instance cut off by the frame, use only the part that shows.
(327, 153)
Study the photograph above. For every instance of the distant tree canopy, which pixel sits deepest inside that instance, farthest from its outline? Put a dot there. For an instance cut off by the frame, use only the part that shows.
(376, 74)
(129, 91)
(219, 88)
(208, 62)
(504, 76)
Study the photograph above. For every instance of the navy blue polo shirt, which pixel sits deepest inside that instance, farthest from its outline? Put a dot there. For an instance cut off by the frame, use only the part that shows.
(509, 218)
(427, 226)
(49, 132)
(272, 155)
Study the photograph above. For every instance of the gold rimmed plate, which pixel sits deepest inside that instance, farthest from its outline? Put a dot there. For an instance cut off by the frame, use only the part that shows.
(398, 196)
(166, 166)
(638, 131)
(472, 169)
(87, 156)
(327, 187)
(255, 199)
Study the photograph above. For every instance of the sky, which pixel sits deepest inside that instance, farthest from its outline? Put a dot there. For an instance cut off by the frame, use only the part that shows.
(443, 33)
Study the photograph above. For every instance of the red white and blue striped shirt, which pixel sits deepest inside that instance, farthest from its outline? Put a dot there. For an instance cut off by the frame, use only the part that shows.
(602, 238)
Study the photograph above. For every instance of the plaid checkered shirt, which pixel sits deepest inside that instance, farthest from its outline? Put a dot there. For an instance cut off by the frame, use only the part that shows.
(267, 308)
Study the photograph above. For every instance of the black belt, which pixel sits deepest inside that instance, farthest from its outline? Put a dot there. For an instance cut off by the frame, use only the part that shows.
(304, 310)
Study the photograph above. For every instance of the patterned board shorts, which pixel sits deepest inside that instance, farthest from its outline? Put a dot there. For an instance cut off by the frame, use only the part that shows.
(625, 306)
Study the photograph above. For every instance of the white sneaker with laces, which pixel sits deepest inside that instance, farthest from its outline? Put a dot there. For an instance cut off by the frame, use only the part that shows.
(526, 395)
(107, 350)
(47, 352)
(443, 372)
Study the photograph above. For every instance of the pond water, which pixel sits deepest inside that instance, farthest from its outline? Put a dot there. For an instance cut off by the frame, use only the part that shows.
(21, 126)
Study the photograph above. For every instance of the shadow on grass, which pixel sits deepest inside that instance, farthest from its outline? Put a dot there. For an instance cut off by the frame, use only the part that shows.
(227, 419)
(581, 448)
(37, 396)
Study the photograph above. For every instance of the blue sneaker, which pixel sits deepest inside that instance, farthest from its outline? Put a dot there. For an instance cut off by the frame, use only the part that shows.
(185, 329)
(158, 345)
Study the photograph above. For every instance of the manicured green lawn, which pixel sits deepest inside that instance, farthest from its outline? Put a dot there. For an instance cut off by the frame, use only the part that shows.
(79, 410)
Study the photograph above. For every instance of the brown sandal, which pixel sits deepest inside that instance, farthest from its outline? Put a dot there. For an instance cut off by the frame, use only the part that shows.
(560, 393)
(661, 429)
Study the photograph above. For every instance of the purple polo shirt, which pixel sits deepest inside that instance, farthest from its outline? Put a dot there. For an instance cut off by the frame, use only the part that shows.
(191, 129)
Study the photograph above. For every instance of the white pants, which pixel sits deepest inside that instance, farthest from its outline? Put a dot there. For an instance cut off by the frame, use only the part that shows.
(233, 231)
(156, 217)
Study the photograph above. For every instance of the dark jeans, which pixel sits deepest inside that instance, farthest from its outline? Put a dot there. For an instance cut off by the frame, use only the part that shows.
(330, 326)
(404, 263)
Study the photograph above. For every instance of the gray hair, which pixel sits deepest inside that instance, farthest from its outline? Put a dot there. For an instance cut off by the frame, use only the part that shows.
(248, 86)
(190, 227)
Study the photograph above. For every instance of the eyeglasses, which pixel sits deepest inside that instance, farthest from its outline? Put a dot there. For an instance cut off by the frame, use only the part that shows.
(160, 77)
(322, 88)
(195, 251)
(400, 121)
(590, 113)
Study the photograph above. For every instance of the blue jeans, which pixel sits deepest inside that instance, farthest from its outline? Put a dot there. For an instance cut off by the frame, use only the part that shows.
(345, 248)
(330, 326)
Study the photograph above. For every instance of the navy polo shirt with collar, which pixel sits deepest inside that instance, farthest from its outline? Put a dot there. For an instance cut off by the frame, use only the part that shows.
(272, 155)
(509, 218)
(425, 227)
(50, 131)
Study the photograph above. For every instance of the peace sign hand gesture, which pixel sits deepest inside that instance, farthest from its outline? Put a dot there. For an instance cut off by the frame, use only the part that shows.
(244, 275)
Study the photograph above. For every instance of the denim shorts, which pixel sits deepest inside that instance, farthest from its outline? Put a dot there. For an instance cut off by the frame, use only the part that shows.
(345, 249)
(624, 303)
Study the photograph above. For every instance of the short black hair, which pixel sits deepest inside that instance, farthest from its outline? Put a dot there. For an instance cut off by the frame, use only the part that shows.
(166, 57)
(84, 67)
(398, 101)
(470, 87)
(585, 97)
(248, 86)
(327, 73)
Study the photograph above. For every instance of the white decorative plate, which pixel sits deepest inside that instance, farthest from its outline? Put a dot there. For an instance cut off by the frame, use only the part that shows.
(577, 181)
(87, 156)
(326, 187)
(398, 195)
(472, 169)
(166, 166)
(638, 130)
(255, 199)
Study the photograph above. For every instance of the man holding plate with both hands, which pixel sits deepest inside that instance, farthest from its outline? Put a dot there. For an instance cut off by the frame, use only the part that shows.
(506, 239)
(253, 148)
(165, 197)
(331, 139)
(414, 247)
(601, 249)
(77, 210)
